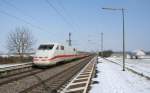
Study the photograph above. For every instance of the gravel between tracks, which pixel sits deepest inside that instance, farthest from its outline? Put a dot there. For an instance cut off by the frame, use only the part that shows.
(24, 83)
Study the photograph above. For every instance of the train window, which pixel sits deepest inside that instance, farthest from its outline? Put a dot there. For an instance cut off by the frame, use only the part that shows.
(62, 47)
(57, 48)
(45, 47)
(74, 49)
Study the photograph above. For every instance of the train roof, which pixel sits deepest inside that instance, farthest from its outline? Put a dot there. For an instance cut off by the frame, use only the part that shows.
(54, 43)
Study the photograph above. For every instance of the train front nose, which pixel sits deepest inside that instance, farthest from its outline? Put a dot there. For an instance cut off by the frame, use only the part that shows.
(41, 61)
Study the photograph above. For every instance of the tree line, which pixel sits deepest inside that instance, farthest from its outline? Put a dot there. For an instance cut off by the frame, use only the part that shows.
(106, 53)
(20, 42)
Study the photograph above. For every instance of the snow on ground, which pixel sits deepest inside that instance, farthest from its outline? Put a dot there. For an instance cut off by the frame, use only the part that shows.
(139, 65)
(112, 79)
(9, 65)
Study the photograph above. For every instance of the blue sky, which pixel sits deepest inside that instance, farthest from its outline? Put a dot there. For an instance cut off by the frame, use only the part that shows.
(83, 18)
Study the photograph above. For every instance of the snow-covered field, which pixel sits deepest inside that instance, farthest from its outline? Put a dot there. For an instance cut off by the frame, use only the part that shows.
(142, 62)
(112, 79)
(139, 65)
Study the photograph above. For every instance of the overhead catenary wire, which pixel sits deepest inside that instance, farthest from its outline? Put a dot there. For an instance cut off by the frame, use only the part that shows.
(67, 14)
(25, 14)
(63, 18)
(18, 9)
(24, 21)
(20, 19)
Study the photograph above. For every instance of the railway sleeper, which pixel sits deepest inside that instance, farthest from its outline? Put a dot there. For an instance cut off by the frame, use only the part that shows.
(81, 81)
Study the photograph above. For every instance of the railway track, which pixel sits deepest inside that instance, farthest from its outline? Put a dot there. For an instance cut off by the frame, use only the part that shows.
(14, 70)
(14, 73)
(18, 76)
(40, 80)
(80, 83)
(52, 84)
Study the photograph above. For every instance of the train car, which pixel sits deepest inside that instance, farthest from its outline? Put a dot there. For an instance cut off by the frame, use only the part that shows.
(50, 54)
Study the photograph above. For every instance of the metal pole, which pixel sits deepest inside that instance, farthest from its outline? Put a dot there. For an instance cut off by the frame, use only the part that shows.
(69, 39)
(123, 54)
(123, 41)
(102, 45)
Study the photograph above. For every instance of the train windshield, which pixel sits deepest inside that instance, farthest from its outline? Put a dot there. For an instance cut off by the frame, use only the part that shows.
(45, 47)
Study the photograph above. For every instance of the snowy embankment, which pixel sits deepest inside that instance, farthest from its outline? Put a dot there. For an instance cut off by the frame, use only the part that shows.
(112, 79)
(9, 65)
(139, 66)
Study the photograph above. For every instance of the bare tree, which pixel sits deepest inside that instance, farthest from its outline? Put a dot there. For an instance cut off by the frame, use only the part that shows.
(20, 41)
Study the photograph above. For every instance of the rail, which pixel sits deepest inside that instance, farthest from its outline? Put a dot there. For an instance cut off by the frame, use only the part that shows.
(6, 71)
(80, 83)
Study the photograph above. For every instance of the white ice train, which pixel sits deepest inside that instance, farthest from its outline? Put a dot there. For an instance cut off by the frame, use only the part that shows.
(50, 54)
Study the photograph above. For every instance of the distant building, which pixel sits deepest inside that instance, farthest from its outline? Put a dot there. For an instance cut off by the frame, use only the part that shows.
(137, 54)
(128, 55)
(140, 53)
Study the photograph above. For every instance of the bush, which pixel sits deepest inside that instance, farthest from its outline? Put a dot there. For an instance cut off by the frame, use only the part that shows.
(10, 60)
(106, 53)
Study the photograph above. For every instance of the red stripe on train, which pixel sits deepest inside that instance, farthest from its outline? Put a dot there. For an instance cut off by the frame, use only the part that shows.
(62, 56)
